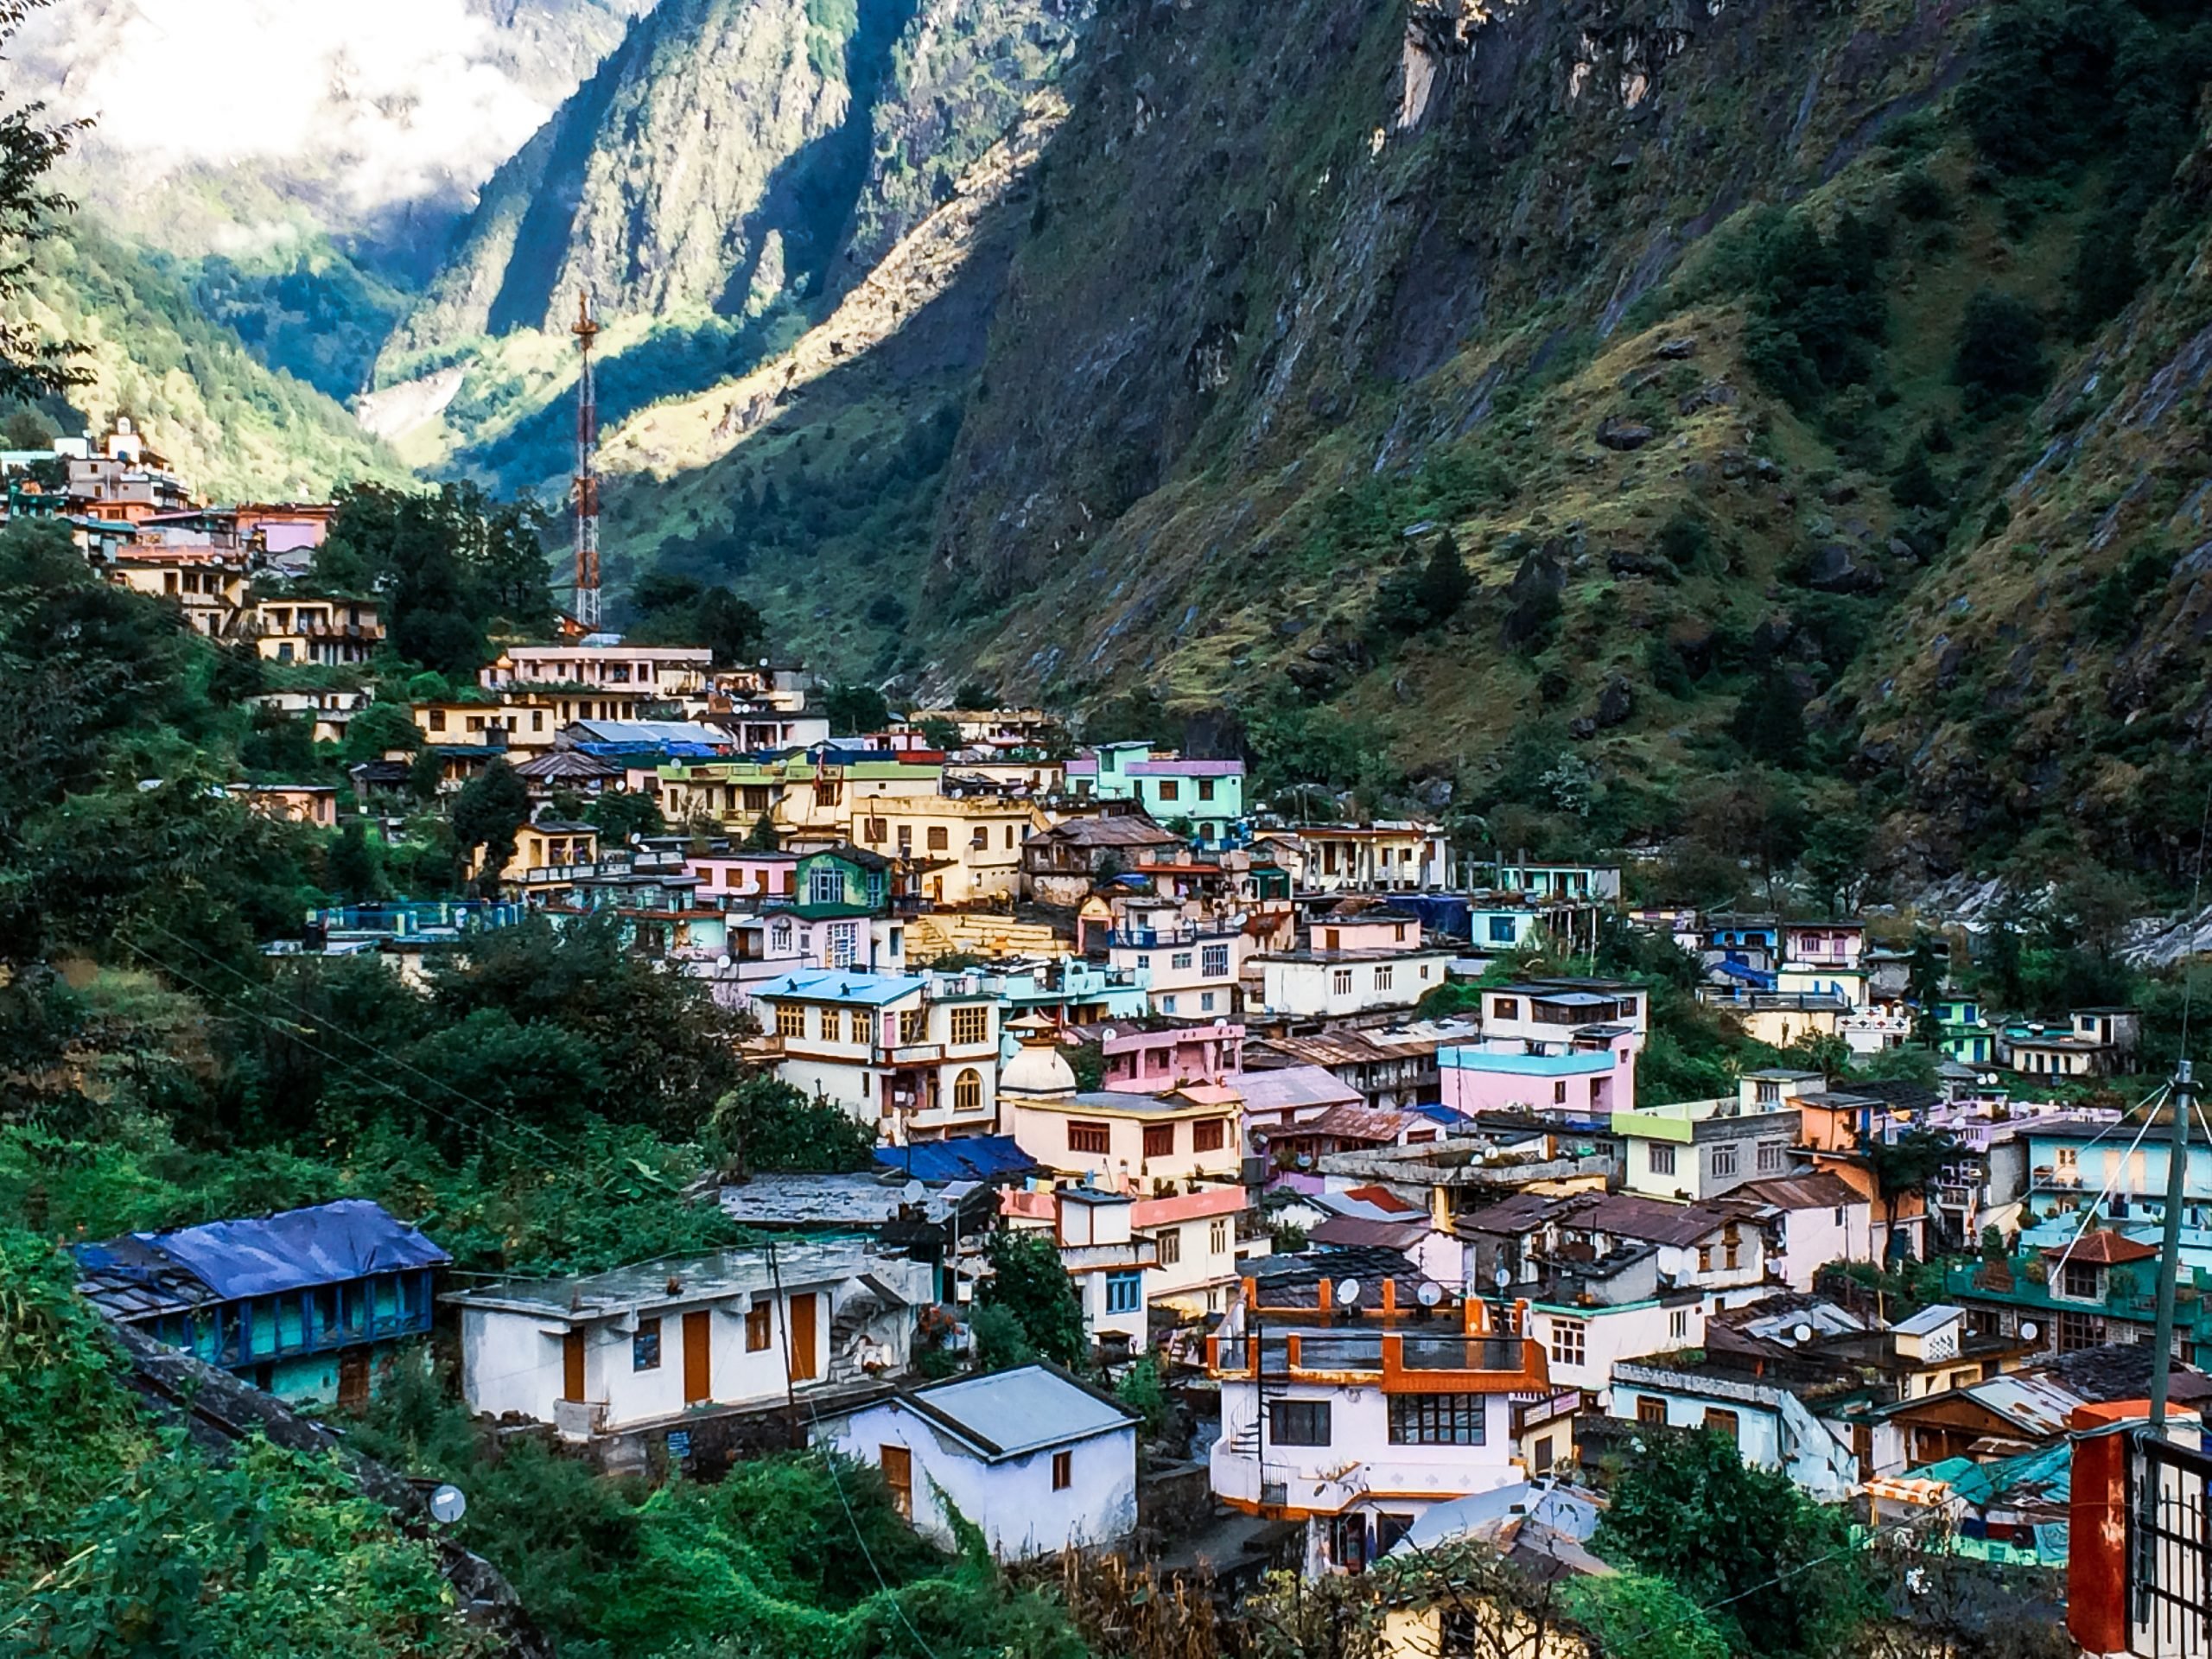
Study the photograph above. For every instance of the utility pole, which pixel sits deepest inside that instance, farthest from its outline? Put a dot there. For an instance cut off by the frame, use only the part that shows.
(2161, 1338)
(586, 329)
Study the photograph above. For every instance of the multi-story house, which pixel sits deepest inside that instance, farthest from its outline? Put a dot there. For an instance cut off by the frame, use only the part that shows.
(1550, 1046)
(327, 630)
(1061, 865)
(1208, 795)
(640, 1358)
(2099, 1288)
(1355, 1394)
(2093, 1043)
(657, 674)
(1093, 1228)
(1192, 967)
(1067, 990)
(915, 1055)
(1355, 962)
(1965, 1034)
(310, 1305)
(964, 851)
(207, 584)
(1141, 1059)
(1550, 883)
(1388, 856)
(1703, 1149)
(1118, 1140)
(1752, 942)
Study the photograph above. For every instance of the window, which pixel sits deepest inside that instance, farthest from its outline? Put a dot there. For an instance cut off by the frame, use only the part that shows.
(844, 947)
(1381, 979)
(1180, 961)
(1773, 1157)
(1649, 1411)
(971, 1024)
(1209, 1134)
(1171, 1246)
(437, 720)
(1559, 1094)
(1090, 1138)
(939, 838)
(791, 1020)
(2077, 1331)
(1726, 1423)
(873, 832)
(833, 1025)
(756, 1328)
(1663, 1160)
(1340, 981)
(1213, 961)
(1724, 1160)
(1729, 1257)
(1205, 1001)
(1705, 1258)
(1160, 1140)
(1298, 1422)
(1217, 1238)
(1170, 790)
(779, 939)
(968, 1091)
(914, 1026)
(645, 1346)
(1569, 1340)
(1505, 1008)
(1124, 1292)
(1678, 1324)
(1767, 1091)
(1501, 930)
(825, 885)
(1436, 1419)
(905, 839)
(1063, 1470)
(2081, 1280)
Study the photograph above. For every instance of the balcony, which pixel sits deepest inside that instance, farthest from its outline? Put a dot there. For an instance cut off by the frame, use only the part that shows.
(908, 1054)
(1409, 1361)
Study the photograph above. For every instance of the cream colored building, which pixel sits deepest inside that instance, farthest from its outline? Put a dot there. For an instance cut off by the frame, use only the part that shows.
(1123, 1141)
(969, 851)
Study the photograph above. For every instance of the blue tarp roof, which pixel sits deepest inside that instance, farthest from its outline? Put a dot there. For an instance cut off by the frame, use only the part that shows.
(1751, 976)
(972, 1157)
(292, 1250)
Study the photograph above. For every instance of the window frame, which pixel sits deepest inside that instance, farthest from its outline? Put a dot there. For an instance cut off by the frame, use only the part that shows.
(1300, 1422)
(644, 1345)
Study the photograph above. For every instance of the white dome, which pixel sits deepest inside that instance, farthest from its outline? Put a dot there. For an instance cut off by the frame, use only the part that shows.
(1037, 1068)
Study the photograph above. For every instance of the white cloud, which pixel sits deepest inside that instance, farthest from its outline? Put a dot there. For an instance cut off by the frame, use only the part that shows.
(378, 103)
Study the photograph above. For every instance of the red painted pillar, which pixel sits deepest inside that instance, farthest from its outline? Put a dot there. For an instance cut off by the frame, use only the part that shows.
(2096, 1545)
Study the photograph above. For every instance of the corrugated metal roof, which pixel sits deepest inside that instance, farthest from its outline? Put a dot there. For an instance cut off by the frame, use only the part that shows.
(873, 990)
(1012, 1414)
(970, 1158)
(1291, 1087)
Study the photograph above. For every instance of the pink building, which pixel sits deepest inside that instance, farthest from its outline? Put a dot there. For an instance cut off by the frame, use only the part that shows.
(1593, 1081)
(1147, 1062)
(724, 876)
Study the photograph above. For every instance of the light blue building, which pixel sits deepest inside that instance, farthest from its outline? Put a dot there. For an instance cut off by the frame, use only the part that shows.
(1208, 794)
(308, 1304)
(2077, 1166)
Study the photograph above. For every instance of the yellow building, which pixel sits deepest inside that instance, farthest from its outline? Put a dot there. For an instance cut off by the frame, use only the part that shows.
(316, 630)
(966, 851)
(208, 584)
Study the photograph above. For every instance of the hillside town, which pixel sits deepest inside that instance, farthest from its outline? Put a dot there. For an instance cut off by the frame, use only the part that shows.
(1353, 1147)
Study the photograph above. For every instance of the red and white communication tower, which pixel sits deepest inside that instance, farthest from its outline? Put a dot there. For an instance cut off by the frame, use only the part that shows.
(585, 330)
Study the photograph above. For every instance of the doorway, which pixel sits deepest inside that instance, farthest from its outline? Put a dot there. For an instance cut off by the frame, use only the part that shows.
(698, 1357)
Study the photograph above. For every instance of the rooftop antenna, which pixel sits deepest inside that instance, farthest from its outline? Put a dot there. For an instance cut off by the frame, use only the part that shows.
(586, 329)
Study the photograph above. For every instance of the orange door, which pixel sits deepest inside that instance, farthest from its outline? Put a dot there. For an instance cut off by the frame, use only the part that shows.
(353, 1377)
(698, 1360)
(803, 1337)
(572, 1366)
(898, 1475)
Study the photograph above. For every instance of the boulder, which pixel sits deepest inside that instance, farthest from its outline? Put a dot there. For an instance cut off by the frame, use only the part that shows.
(1618, 432)
(1714, 394)
(1676, 349)
(1616, 702)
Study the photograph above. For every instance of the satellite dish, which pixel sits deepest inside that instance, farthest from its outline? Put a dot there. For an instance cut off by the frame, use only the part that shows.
(722, 960)
(1430, 1294)
(1504, 1278)
(2029, 1330)
(913, 1192)
(448, 1505)
(1348, 1293)
(1801, 1332)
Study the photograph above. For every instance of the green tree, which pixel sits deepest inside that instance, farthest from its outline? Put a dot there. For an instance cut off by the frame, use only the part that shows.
(1774, 1567)
(30, 365)
(1641, 1616)
(1427, 595)
(1902, 1168)
(852, 709)
(941, 733)
(1837, 848)
(1028, 1281)
(2000, 351)
(1926, 968)
(490, 807)
(622, 813)
(378, 729)
(765, 1124)
(351, 868)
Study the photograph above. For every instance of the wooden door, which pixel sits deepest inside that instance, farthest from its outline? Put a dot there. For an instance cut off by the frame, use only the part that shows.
(353, 1377)
(803, 1337)
(698, 1357)
(572, 1366)
(899, 1475)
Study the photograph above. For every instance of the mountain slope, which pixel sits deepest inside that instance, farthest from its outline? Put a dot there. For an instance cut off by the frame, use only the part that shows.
(234, 428)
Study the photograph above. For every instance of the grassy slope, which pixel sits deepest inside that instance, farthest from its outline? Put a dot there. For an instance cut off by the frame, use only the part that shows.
(232, 426)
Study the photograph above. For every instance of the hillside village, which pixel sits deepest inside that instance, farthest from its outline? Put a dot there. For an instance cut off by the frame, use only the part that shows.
(1346, 1170)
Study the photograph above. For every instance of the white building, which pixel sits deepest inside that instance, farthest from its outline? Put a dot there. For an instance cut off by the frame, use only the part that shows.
(1772, 1428)
(1810, 1221)
(914, 1056)
(1107, 1260)
(615, 1353)
(1037, 1461)
(1342, 984)
(1355, 1396)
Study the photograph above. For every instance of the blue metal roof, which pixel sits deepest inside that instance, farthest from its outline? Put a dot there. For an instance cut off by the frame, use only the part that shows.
(265, 1256)
(1751, 976)
(833, 985)
(972, 1157)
